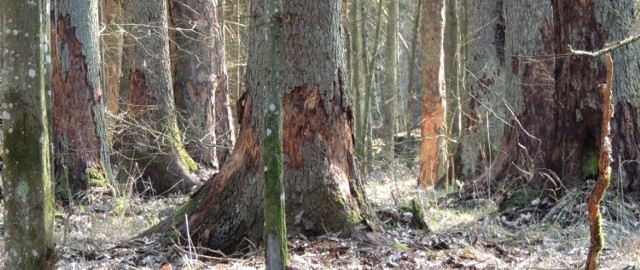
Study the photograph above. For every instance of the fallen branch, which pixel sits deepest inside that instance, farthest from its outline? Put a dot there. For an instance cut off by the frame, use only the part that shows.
(607, 48)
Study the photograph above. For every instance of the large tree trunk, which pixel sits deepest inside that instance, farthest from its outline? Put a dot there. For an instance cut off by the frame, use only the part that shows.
(201, 81)
(154, 143)
(28, 191)
(80, 141)
(555, 100)
(485, 87)
(433, 149)
(323, 190)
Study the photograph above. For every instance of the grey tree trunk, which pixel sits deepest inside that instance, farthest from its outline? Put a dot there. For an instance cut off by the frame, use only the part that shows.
(24, 81)
(275, 227)
(487, 113)
(323, 189)
(201, 90)
(79, 129)
(433, 149)
(154, 143)
(357, 74)
(391, 81)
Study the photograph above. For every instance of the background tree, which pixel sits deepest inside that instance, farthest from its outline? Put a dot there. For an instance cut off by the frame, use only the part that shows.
(391, 80)
(201, 81)
(322, 184)
(433, 153)
(28, 189)
(80, 140)
(155, 144)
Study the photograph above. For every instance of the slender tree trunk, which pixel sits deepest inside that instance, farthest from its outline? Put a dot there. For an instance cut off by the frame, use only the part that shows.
(411, 95)
(391, 81)
(369, 84)
(80, 140)
(201, 81)
(155, 144)
(357, 73)
(323, 189)
(433, 153)
(275, 228)
(28, 190)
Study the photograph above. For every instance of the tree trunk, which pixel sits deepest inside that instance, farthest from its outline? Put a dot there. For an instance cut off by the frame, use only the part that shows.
(391, 81)
(154, 143)
(556, 101)
(275, 227)
(112, 46)
(322, 184)
(357, 75)
(80, 141)
(28, 189)
(485, 87)
(433, 149)
(201, 81)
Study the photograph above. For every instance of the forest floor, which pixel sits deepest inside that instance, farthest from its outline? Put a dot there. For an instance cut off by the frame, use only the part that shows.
(463, 234)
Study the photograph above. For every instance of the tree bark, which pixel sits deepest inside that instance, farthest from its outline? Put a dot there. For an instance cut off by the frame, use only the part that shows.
(322, 184)
(80, 140)
(555, 101)
(201, 81)
(155, 143)
(28, 190)
(391, 81)
(112, 49)
(485, 87)
(433, 149)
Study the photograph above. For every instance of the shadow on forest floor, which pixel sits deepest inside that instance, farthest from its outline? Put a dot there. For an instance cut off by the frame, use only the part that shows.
(464, 234)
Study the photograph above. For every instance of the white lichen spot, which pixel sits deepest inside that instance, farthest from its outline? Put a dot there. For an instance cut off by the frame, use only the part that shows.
(34, 253)
(47, 59)
(41, 140)
(32, 73)
(1, 136)
(49, 93)
(16, 77)
(7, 30)
(26, 34)
(6, 51)
(15, 32)
(268, 131)
(6, 115)
(282, 197)
(10, 105)
(266, 168)
(272, 107)
(10, 130)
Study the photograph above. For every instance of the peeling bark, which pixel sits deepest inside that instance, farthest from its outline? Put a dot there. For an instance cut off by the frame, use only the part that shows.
(79, 128)
(322, 184)
(433, 148)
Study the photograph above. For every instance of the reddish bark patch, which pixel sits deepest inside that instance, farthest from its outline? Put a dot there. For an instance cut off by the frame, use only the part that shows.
(306, 121)
(74, 96)
(138, 93)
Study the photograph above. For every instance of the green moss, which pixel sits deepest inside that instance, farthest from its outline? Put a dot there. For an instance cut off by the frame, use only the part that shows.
(519, 198)
(590, 163)
(400, 246)
(95, 177)
(172, 126)
(63, 190)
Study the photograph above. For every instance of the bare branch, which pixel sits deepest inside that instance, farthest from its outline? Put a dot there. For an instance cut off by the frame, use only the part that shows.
(608, 47)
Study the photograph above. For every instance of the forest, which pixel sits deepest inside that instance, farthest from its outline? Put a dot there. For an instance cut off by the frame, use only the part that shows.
(332, 134)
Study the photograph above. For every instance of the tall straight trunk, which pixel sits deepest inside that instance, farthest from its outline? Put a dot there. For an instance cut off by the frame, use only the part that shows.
(357, 74)
(201, 81)
(433, 153)
(369, 84)
(411, 95)
(275, 228)
(80, 141)
(486, 111)
(391, 80)
(155, 145)
(322, 184)
(28, 191)
(452, 58)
